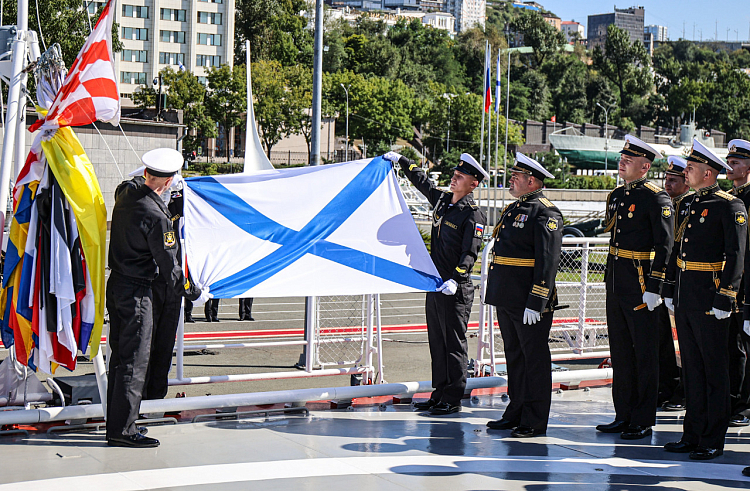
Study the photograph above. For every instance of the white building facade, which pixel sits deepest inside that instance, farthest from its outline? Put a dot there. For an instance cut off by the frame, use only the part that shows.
(572, 30)
(468, 13)
(194, 34)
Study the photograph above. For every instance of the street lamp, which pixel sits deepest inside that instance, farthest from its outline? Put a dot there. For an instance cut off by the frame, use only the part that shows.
(606, 134)
(448, 142)
(346, 89)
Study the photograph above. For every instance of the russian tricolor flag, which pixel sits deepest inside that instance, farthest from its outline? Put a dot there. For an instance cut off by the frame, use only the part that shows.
(487, 78)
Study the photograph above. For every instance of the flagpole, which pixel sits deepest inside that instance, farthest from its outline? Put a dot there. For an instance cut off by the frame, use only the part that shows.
(484, 103)
(489, 125)
(507, 113)
(497, 137)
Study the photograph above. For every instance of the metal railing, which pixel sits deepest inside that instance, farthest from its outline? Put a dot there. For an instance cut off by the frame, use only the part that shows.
(579, 327)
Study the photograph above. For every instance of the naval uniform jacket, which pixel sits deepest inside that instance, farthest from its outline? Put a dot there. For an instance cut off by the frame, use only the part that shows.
(640, 218)
(743, 193)
(143, 241)
(707, 259)
(456, 229)
(526, 254)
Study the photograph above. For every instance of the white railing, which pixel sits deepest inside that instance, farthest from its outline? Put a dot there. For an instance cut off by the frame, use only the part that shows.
(579, 328)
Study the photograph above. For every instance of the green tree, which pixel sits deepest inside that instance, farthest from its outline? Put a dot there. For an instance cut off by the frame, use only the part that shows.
(226, 99)
(275, 29)
(298, 101)
(268, 93)
(186, 93)
(538, 34)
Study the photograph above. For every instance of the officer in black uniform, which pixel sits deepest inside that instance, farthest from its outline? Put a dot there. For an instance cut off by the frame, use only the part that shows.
(142, 242)
(671, 391)
(246, 309)
(166, 308)
(739, 342)
(521, 285)
(211, 310)
(702, 281)
(457, 229)
(640, 220)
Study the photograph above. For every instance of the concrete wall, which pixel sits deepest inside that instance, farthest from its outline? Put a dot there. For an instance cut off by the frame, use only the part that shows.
(555, 195)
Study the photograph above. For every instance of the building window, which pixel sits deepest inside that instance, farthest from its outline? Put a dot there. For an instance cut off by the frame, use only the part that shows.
(172, 58)
(209, 39)
(172, 36)
(209, 18)
(211, 1)
(134, 33)
(133, 78)
(135, 55)
(173, 14)
(203, 80)
(208, 60)
(138, 11)
(94, 7)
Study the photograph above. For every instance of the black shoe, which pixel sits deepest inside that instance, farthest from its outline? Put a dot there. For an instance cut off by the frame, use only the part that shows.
(248, 318)
(635, 432)
(137, 441)
(214, 319)
(425, 405)
(705, 453)
(444, 408)
(208, 319)
(615, 426)
(527, 432)
(502, 424)
(189, 318)
(739, 420)
(673, 406)
(746, 471)
(680, 447)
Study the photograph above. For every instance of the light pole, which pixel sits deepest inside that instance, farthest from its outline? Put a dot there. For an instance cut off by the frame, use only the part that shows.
(346, 89)
(606, 135)
(157, 81)
(448, 142)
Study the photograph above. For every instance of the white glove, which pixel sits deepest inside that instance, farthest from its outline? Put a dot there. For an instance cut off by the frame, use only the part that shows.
(449, 287)
(531, 316)
(392, 157)
(746, 327)
(669, 303)
(205, 297)
(652, 300)
(720, 314)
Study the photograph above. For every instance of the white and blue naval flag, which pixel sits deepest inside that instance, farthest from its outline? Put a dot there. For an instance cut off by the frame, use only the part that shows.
(341, 229)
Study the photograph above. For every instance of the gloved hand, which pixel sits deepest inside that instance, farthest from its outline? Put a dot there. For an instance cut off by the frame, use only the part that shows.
(746, 327)
(720, 314)
(392, 157)
(669, 303)
(205, 297)
(531, 316)
(449, 287)
(652, 300)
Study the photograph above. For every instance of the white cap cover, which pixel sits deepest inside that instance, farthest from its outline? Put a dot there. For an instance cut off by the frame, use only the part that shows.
(528, 165)
(163, 162)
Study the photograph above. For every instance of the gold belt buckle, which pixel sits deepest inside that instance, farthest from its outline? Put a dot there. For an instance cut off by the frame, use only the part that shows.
(617, 251)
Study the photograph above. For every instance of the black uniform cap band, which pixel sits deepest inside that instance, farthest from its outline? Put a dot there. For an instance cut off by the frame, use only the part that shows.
(739, 153)
(636, 151)
(470, 170)
(157, 173)
(521, 167)
(696, 156)
(675, 171)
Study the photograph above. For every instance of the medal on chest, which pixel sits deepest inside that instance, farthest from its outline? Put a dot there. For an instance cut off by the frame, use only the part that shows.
(704, 214)
(520, 220)
(631, 209)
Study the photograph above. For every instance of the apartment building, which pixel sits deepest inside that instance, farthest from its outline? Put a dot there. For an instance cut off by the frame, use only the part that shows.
(183, 34)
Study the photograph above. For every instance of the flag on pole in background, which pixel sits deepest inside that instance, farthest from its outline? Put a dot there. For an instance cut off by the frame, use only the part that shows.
(90, 89)
(497, 85)
(266, 235)
(487, 78)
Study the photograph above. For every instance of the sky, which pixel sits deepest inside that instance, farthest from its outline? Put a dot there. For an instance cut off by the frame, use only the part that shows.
(699, 16)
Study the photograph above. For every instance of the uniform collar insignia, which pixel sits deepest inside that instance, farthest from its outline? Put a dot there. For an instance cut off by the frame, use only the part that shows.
(530, 195)
(678, 198)
(741, 188)
(708, 189)
(633, 184)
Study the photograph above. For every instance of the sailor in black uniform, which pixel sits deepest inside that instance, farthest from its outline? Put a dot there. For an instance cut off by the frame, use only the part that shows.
(703, 278)
(671, 391)
(457, 230)
(640, 220)
(142, 242)
(521, 285)
(739, 342)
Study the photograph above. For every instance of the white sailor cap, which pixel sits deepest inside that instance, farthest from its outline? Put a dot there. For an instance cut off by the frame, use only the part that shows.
(470, 166)
(530, 166)
(676, 165)
(739, 149)
(700, 153)
(162, 162)
(639, 148)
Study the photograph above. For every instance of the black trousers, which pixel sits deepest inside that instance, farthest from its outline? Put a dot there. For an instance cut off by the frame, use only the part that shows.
(634, 349)
(447, 318)
(739, 378)
(246, 308)
(188, 309)
(130, 327)
(705, 368)
(166, 310)
(211, 308)
(529, 368)
(669, 372)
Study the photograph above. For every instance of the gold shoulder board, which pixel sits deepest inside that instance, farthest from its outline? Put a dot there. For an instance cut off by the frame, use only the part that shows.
(653, 187)
(725, 195)
(546, 202)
